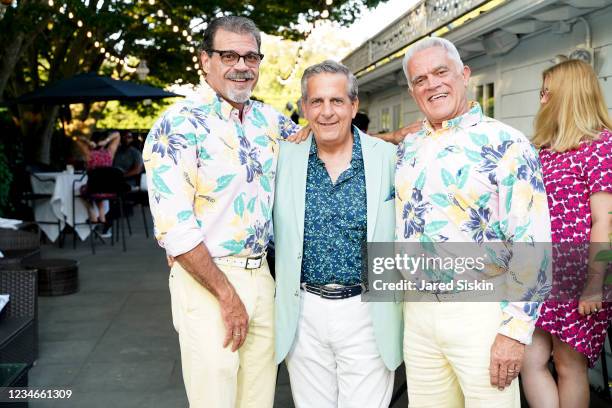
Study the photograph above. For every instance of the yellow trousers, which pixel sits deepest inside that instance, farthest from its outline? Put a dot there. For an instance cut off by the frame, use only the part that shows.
(216, 377)
(447, 349)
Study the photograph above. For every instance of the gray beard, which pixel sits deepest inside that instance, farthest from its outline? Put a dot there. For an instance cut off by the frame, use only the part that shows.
(239, 96)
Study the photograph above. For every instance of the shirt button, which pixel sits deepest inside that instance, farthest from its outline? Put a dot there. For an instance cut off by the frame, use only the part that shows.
(297, 293)
(299, 255)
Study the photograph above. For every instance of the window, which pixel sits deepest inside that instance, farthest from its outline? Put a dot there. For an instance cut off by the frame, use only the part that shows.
(385, 120)
(396, 117)
(485, 95)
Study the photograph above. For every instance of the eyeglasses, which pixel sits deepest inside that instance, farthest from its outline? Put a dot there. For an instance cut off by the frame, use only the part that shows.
(231, 58)
(544, 92)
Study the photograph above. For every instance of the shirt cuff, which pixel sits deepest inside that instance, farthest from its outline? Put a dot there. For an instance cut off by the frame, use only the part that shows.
(182, 239)
(517, 329)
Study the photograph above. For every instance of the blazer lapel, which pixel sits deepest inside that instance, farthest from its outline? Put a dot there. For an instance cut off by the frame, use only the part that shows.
(373, 173)
(299, 169)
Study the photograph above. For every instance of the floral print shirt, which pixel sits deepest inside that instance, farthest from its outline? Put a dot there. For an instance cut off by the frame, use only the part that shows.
(478, 180)
(211, 175)
(335, 221)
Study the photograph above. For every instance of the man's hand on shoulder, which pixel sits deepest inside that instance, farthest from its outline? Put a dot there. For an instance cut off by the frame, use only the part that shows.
(506, 360)
(300, 136)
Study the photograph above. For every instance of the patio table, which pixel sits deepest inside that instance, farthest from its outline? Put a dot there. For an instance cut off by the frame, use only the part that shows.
(59, 207)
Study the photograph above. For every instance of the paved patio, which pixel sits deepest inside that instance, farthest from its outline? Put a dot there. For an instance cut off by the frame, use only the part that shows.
(113, 343)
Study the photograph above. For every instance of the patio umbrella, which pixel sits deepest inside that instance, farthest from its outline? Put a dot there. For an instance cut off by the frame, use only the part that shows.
(85, 88)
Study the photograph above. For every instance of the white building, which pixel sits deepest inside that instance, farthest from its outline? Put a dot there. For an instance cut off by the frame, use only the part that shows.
(506, 43)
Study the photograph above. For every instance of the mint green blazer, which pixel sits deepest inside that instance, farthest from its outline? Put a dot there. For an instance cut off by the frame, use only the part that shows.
(379, 164)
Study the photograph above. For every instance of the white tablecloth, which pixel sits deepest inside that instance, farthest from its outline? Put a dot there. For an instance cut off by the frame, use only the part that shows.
(59, 207)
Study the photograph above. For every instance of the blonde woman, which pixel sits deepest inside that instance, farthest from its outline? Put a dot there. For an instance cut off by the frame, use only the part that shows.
(572, 128)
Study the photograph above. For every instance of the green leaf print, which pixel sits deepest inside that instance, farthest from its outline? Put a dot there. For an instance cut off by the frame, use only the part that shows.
(162, 169)
(177, 120)
(265, 183)
(479, 139)
(233, 246)
(261, 140)
(191, 139)
(509, 201)
(259, 119)
(462, 176)
(447, 178)
(223, 182)
(265, 210)
(267, 166)
(442, 154)
(184, 215)
(251, 205)
(159, 184)
(472, 155)
(440, 199)
(483, 200)
(508, 181)
(420, 183)
(203, 154)
(434, 226)
(239, 205)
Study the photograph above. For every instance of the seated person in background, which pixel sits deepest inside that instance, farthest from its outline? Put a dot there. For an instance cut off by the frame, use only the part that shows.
(98, 152)
(129, 159)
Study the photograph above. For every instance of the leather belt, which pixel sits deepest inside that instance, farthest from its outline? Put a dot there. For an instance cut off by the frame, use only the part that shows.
(333, 290)
(252, 262)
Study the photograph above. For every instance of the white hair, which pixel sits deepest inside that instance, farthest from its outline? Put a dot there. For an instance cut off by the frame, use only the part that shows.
(430, 42)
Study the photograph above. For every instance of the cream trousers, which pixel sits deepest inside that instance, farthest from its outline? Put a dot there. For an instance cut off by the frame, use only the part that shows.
(216, 377)
(447, 347)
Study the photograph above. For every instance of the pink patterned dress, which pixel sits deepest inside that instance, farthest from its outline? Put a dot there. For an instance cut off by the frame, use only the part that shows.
(570, 178)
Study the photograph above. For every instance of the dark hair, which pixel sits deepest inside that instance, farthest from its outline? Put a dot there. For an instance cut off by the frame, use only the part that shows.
(362, 121)
(234, 24)
(98, 136)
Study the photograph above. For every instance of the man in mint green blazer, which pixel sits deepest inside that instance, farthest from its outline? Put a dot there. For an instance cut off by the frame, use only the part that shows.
(333, 193)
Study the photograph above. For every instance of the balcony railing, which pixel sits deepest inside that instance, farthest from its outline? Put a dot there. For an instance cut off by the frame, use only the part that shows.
(423, 19)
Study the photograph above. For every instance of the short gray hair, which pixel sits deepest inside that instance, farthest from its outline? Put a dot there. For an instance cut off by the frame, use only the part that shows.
(331, 67)
(234, 24)
(430, 42)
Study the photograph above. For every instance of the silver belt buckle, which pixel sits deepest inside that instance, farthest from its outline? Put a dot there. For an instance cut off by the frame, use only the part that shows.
(254, 263)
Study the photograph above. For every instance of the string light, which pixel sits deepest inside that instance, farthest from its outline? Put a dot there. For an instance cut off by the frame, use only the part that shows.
(63, 9)
(329, 2)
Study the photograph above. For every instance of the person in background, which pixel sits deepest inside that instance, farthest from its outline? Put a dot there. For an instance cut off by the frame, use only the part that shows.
(572, 128)
(98, 151)
(361, 121)
(129, 159)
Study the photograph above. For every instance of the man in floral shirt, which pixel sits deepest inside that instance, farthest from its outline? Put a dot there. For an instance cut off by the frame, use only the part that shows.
(211, 164)
(467, 178)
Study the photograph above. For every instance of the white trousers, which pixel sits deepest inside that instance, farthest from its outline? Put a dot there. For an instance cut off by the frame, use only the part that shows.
(334, 361)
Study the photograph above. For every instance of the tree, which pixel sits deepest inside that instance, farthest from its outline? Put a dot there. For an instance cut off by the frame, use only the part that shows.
(39, 44)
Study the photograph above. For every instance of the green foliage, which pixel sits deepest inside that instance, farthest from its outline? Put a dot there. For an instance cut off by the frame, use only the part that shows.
(132, 115)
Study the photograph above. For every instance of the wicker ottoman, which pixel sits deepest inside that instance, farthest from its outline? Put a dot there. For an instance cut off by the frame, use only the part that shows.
(56, 277)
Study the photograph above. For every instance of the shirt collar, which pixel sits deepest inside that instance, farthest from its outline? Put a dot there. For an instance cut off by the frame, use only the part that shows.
(470, 118)
(208, 96)
(356, 154)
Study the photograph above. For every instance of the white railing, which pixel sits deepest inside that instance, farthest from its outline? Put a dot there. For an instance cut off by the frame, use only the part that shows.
(424, 18)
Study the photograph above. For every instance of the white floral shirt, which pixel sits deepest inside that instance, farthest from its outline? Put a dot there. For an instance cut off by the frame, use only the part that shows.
(211, 175)
(477, 180)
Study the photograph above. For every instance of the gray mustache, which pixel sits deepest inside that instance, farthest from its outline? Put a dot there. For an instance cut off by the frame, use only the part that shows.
(240, 75)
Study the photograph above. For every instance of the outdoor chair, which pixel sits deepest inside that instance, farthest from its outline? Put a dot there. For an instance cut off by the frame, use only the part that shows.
(19, 318)
(107, 183)
(137, 196)
(76, 193)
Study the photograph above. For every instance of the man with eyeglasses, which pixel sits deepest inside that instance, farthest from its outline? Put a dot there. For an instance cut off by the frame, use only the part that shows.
(211, 165)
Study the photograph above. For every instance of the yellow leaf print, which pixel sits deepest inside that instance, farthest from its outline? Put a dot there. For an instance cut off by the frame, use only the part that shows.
(204, 200)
